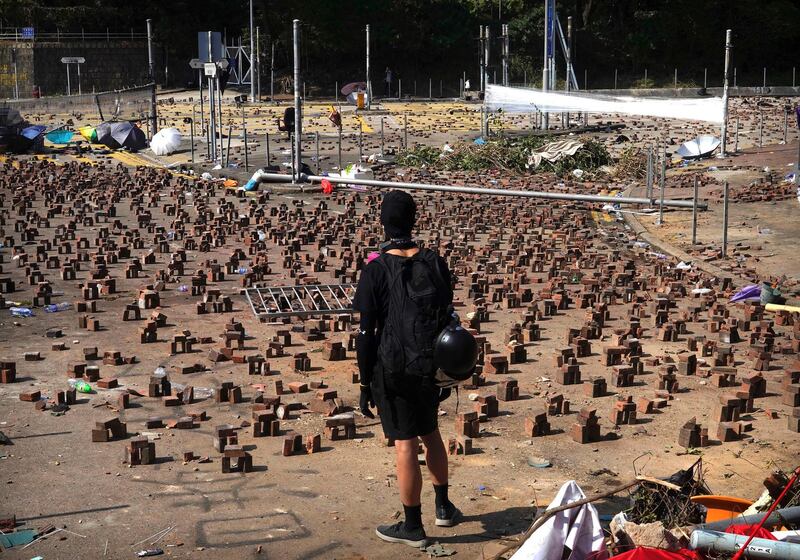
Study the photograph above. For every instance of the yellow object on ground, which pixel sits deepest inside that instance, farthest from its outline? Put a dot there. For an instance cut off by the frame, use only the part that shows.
(230, 183)
(778, 307)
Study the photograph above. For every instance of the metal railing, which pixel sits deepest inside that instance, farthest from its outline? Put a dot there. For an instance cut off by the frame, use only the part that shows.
(18, 34)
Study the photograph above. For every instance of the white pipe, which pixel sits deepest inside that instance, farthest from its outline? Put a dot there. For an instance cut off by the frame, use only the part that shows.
(713, 541)
(282, 178)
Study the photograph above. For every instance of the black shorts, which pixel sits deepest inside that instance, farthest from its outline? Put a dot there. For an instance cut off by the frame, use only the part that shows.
(407, 409)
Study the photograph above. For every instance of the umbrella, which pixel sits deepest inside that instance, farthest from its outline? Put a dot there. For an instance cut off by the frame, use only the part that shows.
(353, 87)
(10, 117)
(166, 141)
(88, 132)
(128, 135)
(61, 136)
(29, 137)
(10, 124)
(648, 553)
(121, 134)
(702, 146)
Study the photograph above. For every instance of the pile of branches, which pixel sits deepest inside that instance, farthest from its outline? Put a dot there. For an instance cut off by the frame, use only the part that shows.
(671, 506)
(505, 154)
(632, 164)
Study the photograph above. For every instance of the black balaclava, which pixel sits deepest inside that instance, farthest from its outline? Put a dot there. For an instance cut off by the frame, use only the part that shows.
(398, 214)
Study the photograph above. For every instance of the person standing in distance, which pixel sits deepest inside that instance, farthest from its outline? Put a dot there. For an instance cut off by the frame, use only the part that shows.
(404, 297)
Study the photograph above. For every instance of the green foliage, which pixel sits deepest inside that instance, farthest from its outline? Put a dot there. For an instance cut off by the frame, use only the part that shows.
(506, 154)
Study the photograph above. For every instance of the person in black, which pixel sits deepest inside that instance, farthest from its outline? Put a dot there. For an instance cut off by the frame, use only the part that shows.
(408, 406)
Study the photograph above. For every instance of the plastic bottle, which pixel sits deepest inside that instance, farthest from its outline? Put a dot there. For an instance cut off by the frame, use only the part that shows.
(80, 385)
(241, 270)
(56, 307)
(159, 372)
(183, 288)
(21, 312)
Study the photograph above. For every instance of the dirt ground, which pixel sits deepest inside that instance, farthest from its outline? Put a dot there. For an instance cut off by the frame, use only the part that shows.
(326, 505)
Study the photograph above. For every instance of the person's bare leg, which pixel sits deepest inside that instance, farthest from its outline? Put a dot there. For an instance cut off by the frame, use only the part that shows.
(409, 477)
(436, 457)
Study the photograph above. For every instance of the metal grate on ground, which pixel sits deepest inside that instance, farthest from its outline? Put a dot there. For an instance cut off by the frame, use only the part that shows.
(274, 302)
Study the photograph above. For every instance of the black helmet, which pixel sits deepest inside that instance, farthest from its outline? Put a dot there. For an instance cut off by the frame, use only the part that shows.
(455, 355)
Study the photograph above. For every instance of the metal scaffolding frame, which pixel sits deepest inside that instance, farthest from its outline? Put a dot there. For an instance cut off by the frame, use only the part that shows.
(274, 302)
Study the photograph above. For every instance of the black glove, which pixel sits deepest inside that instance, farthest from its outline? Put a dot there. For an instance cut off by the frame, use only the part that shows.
(366, 401)
(444, 393)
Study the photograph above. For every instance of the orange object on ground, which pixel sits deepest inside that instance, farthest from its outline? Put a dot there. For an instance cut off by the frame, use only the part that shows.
(327, 186)
(230, 183)
(722, 507)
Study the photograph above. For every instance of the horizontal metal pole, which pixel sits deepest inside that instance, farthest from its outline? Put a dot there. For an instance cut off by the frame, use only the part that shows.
(480, 190)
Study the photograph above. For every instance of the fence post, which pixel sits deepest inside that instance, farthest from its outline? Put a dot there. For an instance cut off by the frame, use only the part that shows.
(694, 213)
(405, 131)
(382, 150)
(269, 157)
(725, 219)
(319, 165)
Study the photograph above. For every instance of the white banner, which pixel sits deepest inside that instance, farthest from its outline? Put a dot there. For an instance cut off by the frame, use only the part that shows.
(708, 109)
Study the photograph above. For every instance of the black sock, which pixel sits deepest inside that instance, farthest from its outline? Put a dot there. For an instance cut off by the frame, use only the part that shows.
(441, 495)
(413, 516)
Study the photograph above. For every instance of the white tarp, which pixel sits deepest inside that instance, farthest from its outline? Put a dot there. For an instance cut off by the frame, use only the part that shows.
(554, 151)
(577, 529)
(708, 109)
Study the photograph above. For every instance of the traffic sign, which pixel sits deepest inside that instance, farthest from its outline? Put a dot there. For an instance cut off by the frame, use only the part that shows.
(196, 63)
(223, 63)
(27, 32)
(210, 69)
(73, 60)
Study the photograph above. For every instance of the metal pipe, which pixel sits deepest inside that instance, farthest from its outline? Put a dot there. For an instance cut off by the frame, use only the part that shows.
(340, 147)
(252, 57)
(269, 156)
(486, 56)
(482, 58)
(282, 178)
(736, 137)
(191, 132)
(228, 152)
(258, 63)
(382, 141)
(405, 131)
(760, 127)
(211, 114)
(785, 123)
(272, 72)
(570, 72)
(298, 119)
(694, 212)
(360, 144)
(649, 189)
(789, 516)
(219, 110)
(316, 138)
(151, 68)
(724, 132)
(246, 161)
(546, 61)
(369, 88)
(725, 219)
(661, 185)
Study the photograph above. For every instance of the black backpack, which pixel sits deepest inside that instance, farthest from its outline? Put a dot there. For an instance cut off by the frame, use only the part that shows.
(418, 311)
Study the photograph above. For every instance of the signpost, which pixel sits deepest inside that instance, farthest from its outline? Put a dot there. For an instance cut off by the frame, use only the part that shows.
(27, 33)
(77, 60)
(197, 64)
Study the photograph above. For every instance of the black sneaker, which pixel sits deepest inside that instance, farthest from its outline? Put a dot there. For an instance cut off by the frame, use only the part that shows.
(398, 533)
(447, 515)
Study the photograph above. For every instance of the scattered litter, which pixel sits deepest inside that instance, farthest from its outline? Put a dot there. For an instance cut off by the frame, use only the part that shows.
(538, 462)
(436, 551)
